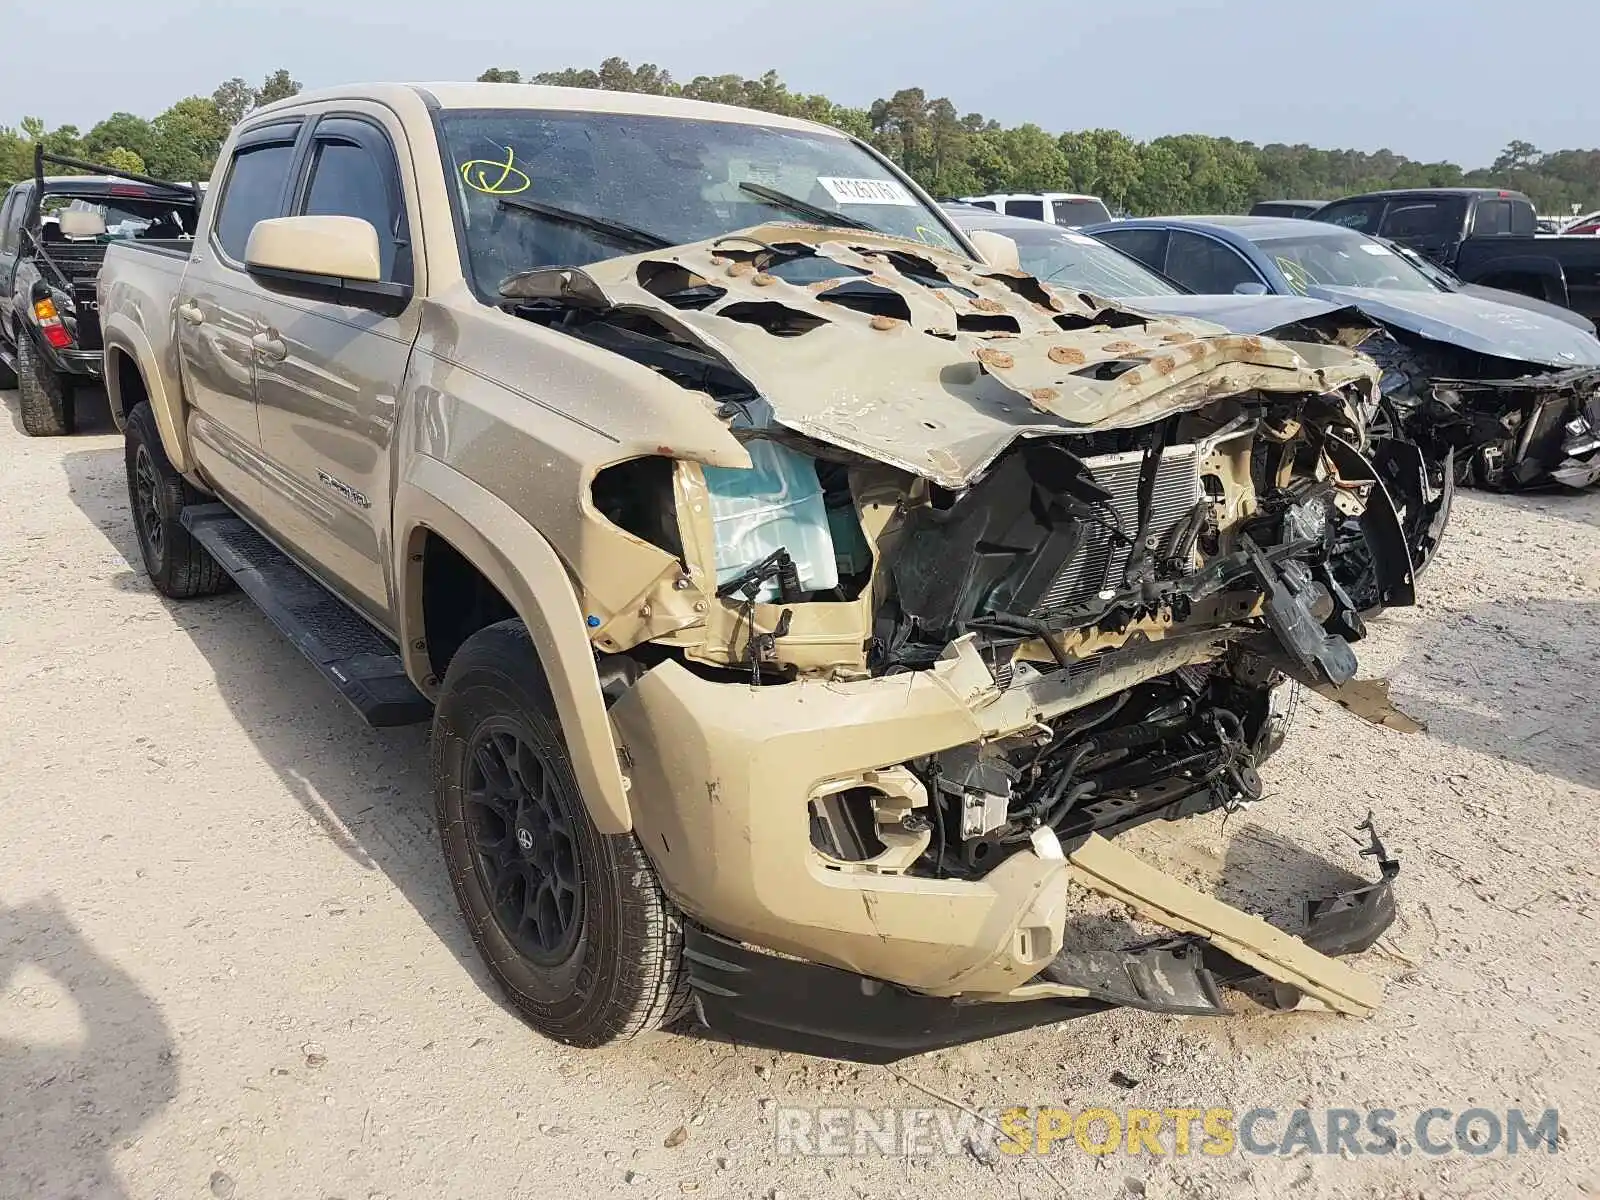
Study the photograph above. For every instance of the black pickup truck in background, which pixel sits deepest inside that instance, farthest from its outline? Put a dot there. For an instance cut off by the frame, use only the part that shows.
(53, 236)
(1482, 235)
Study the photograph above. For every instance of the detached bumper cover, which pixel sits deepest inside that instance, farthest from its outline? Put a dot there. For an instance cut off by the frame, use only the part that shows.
(787, 1004)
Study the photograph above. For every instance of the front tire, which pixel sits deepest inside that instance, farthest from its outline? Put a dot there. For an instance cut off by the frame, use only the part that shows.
(46, 400)
(571, 922)
(177, 564)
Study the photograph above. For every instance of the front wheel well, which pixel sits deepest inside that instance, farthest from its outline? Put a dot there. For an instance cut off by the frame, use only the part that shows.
(457, 601)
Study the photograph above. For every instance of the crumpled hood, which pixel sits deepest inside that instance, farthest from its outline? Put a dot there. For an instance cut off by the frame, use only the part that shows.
(921, 358)
(1239, 314)
(1475, 324)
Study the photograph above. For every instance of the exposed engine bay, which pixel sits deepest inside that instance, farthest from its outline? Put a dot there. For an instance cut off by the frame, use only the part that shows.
(1106, 544)
(1211, 530)
(1502, 423)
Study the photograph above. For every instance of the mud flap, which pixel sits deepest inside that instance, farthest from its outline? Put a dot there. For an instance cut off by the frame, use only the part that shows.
(1250, 941)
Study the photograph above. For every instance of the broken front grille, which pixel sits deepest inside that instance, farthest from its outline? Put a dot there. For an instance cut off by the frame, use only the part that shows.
(1100, 560)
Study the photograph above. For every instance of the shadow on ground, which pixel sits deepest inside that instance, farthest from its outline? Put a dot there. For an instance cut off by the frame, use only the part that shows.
(65, 1106)
(1543, 714)
(1580, 508)
(367, 789)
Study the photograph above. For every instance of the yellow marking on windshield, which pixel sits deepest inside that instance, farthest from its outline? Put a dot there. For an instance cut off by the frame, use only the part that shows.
(479, 175)
(1299, 278)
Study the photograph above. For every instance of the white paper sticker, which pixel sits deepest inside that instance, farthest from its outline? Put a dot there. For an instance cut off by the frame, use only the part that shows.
(867, 191)
(1374, 248)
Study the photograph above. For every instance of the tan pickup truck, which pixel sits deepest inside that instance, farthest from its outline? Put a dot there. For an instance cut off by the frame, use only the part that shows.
(802, 596)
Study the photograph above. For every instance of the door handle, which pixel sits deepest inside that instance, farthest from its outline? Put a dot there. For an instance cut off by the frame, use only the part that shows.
(192, 313)
(269, 347)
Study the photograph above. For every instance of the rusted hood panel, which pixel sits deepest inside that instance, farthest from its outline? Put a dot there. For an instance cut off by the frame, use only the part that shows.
(955, 360)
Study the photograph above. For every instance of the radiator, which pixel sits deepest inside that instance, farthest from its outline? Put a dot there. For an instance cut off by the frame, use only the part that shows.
(1100, 560)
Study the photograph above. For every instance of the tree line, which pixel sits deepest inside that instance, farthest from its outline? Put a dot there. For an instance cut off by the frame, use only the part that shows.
(181, 143)
(949, 152)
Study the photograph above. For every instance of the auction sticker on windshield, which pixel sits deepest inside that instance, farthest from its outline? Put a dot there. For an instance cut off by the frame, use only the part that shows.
(866, 191)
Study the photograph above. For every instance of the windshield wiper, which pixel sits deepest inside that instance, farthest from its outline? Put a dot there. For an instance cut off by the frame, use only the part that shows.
(804, 207)
(617, 231)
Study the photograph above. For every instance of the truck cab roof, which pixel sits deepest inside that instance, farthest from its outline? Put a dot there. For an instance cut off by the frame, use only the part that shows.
(534, 97)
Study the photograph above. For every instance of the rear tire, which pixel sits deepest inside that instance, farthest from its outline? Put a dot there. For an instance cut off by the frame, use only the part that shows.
(46, 399)
(571, 922)
(177, 564)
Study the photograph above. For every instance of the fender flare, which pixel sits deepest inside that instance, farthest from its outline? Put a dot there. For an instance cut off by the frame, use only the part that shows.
(121, 336)
(432, 497)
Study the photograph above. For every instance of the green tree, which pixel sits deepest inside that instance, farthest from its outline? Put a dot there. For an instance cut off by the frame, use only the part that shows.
(276, 86)
(234, 98)
(189, 136)
(122, 129)
(1035, 160)
(500, 75)
(124, 159)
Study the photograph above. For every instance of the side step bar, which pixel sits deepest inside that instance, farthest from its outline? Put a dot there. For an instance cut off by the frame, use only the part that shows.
(360, 662)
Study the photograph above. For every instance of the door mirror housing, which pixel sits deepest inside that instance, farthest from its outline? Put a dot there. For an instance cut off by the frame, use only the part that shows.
(333, 259)
(997, 249)
(81, 223)
(1249, 289)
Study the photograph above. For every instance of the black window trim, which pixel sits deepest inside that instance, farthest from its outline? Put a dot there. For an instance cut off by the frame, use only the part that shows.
(278, 132)
(1226, 245)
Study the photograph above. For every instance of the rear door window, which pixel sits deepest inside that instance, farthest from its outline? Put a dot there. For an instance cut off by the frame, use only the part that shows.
(1149, 246)
(255, 187)
(1430, 222)
(1362, 215)
(353, 174)
(1206, 265)
(1032, 209)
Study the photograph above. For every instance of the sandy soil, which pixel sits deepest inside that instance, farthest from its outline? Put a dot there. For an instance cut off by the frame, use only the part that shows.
(230, 963)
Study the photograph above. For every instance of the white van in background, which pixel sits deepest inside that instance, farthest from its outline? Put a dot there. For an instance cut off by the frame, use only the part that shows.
(1058, 208)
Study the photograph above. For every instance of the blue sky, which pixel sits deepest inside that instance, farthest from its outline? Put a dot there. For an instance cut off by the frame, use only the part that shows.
(1425, 78)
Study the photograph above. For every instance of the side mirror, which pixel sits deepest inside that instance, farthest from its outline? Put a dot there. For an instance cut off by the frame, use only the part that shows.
(1249, 289)
(79, 223)
(997, 249)
(340, 247)
(332, 259)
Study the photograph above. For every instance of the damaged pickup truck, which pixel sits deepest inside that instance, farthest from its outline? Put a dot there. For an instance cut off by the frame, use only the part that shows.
(802, 599)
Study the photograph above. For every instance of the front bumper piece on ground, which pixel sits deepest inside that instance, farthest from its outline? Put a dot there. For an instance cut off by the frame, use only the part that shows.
(788, 1004)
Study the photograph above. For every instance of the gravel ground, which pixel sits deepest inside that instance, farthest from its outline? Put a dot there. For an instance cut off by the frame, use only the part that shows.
(230, 964)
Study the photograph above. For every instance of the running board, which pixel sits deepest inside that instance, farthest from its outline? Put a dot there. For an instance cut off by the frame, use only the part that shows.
(360, 662)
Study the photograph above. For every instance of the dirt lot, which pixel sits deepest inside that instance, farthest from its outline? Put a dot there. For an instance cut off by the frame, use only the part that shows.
(230, 963)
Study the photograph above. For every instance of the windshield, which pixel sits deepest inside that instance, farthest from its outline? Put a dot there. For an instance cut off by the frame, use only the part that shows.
(1343, 260)
(678, 180)
(1076, 260)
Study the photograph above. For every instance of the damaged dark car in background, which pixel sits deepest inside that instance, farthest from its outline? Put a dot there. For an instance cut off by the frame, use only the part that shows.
(1502, 395)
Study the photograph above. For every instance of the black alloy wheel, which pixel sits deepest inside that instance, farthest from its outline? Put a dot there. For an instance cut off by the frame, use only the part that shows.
(525, 844)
